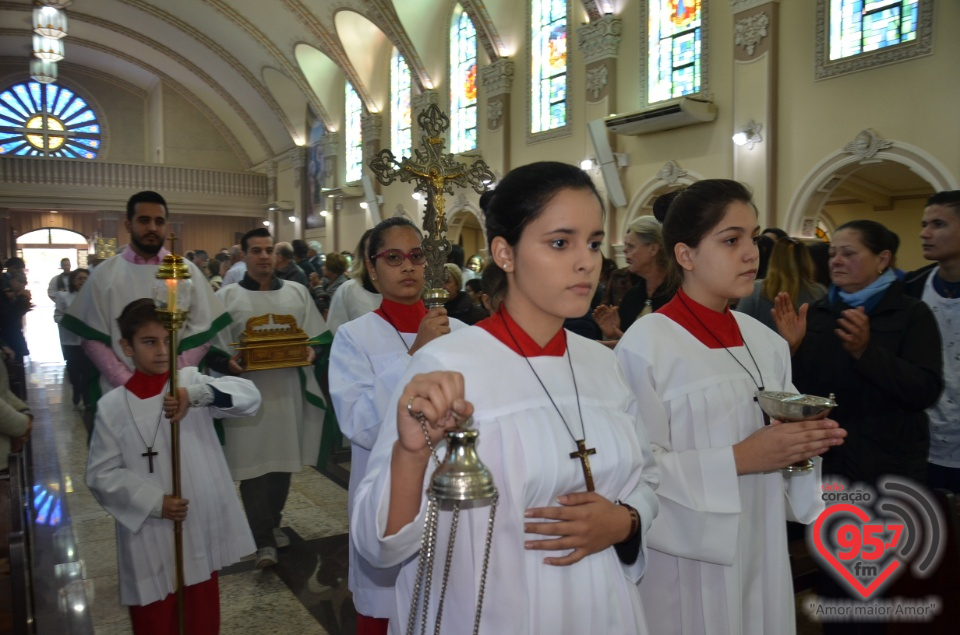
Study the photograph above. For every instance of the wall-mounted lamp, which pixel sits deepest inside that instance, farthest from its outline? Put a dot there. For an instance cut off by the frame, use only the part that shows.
(292, 219)
(587, 164)
(324, 213)
(416, 196)
(750, 135)
(364, 205)
(266, 223)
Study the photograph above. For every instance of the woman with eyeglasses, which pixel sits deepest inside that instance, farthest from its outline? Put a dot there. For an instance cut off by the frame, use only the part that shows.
(369, 356)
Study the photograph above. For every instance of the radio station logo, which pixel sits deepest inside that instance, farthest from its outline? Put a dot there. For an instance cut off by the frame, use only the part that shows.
(867, 539)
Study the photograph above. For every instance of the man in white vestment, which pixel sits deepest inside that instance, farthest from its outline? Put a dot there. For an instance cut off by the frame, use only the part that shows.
(59, 282)
(128, 276)
(264, 450)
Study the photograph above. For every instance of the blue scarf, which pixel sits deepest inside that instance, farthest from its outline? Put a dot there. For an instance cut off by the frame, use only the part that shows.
(867, 297)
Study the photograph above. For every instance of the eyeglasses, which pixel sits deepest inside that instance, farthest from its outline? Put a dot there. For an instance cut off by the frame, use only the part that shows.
(395, 257)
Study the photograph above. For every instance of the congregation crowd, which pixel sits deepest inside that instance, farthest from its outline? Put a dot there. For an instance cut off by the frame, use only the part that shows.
(676, 522)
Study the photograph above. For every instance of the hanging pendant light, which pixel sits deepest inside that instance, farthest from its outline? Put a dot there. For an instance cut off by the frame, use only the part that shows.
(43, 71)
(49, 22)
(47, 48)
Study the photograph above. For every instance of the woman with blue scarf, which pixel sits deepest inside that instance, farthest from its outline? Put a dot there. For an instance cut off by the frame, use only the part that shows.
(873, 347)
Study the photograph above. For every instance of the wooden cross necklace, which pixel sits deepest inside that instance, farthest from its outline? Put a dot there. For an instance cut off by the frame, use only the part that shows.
(583, 452)
(149, 454)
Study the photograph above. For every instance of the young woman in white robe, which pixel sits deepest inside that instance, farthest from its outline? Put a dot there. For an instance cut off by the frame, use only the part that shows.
(358, 295)
(718, 558)
(368, 357)
(563, 560)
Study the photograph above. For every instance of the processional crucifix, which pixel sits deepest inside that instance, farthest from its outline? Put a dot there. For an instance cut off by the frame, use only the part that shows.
(461, 476)
(435, 173)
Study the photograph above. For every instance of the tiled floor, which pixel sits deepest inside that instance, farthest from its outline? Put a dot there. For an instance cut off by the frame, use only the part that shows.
(305, 593)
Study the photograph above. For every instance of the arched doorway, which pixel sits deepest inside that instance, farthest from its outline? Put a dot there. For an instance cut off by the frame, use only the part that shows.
(42, 250)
(669, 178)
(464, 229)
(874, 178)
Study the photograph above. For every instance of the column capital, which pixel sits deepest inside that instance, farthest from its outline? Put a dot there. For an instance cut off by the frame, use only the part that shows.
(497, 78)
(600, 39)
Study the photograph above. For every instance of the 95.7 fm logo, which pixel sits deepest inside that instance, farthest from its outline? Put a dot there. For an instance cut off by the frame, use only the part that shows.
(867, 539)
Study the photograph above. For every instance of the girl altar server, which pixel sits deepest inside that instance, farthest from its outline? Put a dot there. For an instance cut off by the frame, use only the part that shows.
(368, 358)
(718, 558)
(547, 404)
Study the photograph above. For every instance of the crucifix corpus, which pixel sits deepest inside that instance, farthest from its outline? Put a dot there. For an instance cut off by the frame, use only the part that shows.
(435, 173)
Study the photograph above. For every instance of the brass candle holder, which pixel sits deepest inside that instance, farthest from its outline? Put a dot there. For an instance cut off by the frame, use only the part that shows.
(172, 293)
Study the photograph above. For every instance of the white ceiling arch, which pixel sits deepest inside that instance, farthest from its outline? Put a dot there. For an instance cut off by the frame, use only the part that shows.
(253, 66)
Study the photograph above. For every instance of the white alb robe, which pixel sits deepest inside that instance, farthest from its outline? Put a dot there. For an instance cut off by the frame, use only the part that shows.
(285, 434)
(366, 362)
(215, 532)
(718, 558)
(349, 302)
(115, 284)
(526, 446)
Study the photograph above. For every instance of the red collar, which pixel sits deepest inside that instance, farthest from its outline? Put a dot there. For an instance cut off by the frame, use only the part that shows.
(713, 329)
(405, 318)
(501, 326)
(144, 386)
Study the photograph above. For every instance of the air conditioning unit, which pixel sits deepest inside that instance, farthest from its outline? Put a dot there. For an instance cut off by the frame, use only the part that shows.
(675, 113)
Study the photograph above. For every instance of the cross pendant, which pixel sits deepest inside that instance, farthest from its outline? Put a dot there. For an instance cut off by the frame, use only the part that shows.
(150, 454)
(583, 453)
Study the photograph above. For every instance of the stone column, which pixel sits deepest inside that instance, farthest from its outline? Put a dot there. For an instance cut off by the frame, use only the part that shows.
(755, 87)
(330, 144)
(371, 125)
(496, 81)
(599, 43)
(418, 103)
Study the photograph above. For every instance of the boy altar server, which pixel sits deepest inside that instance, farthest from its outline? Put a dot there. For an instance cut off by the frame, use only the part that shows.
(129, 471)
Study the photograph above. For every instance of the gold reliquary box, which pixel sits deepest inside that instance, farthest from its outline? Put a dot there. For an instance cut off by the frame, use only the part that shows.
(272, 341)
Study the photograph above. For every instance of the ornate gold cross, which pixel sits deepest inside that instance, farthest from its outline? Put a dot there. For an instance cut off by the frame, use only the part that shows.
(435, 173)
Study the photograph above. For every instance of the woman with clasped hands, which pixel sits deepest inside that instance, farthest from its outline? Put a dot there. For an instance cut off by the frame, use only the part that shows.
(877, 350)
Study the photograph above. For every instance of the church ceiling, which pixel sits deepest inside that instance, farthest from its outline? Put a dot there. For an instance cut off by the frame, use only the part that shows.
(254, 67)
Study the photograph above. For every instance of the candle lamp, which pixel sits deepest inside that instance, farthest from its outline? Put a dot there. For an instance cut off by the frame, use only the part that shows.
(172, 293)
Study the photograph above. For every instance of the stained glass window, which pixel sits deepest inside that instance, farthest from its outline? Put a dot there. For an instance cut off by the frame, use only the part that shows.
(47, 120)
(860, 26)
(674, 49)
(463, 84)
(400, 117)
(548, 65)
(353, 134)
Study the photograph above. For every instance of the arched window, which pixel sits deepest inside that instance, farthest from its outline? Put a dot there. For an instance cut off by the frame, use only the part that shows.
(463, 84)
(675, 60)
(548, 65)
(47, 120)
(400, 118)
(857, 35)
(353, 134)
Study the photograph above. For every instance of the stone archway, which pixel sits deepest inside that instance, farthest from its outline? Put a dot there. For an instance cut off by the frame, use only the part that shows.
(670, 177)
(866, 148)
(465, 226)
